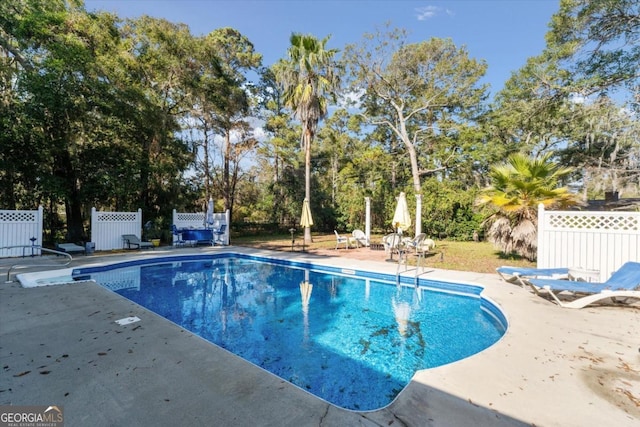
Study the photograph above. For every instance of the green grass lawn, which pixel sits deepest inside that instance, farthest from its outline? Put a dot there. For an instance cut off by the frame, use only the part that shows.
(480, 257)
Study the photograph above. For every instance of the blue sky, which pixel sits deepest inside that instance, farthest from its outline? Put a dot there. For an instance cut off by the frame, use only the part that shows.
(502, 32)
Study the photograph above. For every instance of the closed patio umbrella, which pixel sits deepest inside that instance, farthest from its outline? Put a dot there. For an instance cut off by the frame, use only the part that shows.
(209, 216)
(401, 218)
(305, 219)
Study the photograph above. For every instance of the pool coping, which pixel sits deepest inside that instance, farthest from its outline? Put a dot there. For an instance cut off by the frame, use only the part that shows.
(563, 368)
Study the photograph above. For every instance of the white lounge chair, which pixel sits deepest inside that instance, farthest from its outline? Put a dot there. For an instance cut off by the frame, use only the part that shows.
(133, 242)
(624, 283)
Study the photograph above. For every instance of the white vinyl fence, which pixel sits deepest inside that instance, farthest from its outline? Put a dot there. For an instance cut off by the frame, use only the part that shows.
(107, 228)
(17, 228)
(590, 240)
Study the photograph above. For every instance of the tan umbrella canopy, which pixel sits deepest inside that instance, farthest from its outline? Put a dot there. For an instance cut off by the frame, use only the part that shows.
(401, 218)
(305, 219)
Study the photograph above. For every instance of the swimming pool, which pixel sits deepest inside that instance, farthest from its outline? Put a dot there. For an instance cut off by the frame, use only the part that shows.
(353, 338)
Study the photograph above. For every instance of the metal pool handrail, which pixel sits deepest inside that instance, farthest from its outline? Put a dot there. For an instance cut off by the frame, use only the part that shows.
(70, 258)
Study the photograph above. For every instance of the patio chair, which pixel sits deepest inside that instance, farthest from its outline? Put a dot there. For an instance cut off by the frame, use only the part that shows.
(391, 243)
(360, 238)
(177, 241)
(70, 248)
(342, 239)
(625, 283)
(133, 242)
(417, 243)
(517, 274)
(219, 235)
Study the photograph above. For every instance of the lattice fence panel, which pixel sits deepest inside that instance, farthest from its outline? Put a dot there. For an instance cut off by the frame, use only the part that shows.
(117, 216)
(594, 222)
(18, 216)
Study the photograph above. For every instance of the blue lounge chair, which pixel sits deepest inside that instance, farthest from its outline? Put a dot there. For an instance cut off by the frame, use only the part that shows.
(623, 283)
(516, 274)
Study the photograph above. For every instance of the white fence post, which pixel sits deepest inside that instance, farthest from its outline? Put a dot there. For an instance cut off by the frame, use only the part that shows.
(540, 255)
(94, 222)
(39, 227)
(174, 237)
(418, 214)
(367, 219)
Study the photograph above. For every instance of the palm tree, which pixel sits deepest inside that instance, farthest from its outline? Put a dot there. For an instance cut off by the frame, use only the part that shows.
(518, 187)
(308, 78)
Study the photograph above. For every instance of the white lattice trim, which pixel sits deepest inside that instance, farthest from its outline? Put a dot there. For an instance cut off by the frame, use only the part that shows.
(116, 216)
(593, 222)
(190, 216)
(18, 216)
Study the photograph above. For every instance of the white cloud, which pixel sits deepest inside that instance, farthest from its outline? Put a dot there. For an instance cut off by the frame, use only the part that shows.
(428, 12)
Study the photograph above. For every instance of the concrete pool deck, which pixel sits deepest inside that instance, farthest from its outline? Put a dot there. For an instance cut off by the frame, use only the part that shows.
(60, 345)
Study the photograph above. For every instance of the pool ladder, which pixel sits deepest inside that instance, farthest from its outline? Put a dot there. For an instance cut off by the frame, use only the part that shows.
(404, 254)
(40, 248)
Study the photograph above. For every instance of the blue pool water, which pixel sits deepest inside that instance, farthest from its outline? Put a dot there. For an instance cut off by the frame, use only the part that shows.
(353, 341)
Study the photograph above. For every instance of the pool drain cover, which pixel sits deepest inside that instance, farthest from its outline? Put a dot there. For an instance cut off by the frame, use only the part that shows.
(127, 320)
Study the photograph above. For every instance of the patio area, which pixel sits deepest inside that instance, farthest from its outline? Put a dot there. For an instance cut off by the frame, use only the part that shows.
(61, 346)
